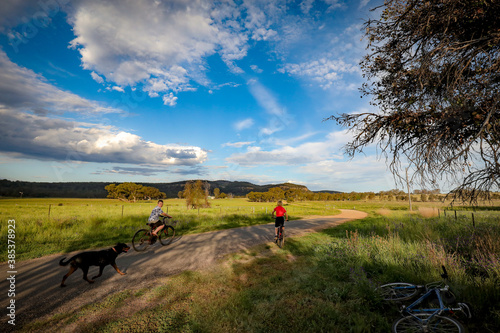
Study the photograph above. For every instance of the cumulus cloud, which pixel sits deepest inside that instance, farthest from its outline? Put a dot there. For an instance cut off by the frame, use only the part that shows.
(163, 44)
(22, 89)
(169, 99)
(57, 139)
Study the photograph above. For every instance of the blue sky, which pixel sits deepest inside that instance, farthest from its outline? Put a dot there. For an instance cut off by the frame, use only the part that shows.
(163, 91)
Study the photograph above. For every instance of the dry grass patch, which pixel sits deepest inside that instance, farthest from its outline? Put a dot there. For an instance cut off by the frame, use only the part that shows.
(384, 212)
(428, 212)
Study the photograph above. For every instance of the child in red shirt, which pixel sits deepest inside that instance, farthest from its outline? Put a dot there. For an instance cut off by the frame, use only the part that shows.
(280, 214)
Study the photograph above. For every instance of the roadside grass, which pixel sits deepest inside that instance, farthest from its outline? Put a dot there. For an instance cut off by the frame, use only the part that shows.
(66, 225)
(321, 282)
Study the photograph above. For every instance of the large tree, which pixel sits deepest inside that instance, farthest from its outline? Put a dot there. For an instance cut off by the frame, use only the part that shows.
(196, 194)
(433, 72)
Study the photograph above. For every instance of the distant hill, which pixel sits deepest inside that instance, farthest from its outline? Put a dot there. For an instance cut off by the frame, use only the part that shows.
(96, 189)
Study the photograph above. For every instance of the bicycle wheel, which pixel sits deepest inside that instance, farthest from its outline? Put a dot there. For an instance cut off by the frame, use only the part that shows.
(398, 291)
(166, 235)
(140, 241)
(281, 239)
(418, 323)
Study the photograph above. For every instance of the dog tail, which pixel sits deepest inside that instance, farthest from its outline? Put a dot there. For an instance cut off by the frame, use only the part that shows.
(62, 263)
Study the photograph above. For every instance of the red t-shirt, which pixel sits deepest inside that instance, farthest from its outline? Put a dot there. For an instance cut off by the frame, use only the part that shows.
(280, 211)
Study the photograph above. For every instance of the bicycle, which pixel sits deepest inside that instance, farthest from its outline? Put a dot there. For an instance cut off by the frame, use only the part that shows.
(280, 239)
(430, 312)
(143, 237)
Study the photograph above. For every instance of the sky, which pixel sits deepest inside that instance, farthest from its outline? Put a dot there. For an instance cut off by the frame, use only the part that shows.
(152, 91)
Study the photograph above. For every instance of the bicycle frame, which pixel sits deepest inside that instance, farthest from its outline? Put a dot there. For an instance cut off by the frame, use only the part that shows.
(431, 312)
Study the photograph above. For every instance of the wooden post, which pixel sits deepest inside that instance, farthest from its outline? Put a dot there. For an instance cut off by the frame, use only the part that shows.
(455, 215)
(49, 209)
(473, 221)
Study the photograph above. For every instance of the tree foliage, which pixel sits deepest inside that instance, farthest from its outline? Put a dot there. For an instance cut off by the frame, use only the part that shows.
(133, 192)
(196, 194)
(433, 71)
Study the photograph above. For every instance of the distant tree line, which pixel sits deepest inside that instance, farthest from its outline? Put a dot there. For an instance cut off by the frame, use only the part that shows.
(298, 194)
(132, 192)
(294, 194)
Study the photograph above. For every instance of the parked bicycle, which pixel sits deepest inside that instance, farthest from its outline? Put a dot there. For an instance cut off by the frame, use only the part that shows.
(143, 237)
(431, 312)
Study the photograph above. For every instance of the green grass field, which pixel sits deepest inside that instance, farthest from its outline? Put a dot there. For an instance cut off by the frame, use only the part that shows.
(64, 225)
(324, 281)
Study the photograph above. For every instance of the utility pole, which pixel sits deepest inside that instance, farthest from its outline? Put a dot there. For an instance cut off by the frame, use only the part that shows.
(408, 187)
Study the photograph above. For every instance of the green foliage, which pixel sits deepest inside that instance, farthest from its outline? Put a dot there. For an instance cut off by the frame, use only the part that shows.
(432, 73)
(196, 194)
(133, 192)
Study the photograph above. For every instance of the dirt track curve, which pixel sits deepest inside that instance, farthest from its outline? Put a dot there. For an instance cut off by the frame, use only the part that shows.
(37, 290)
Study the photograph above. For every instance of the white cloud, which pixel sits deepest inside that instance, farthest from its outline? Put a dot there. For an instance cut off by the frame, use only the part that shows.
(237, 144)
(363, 173)
(244, 124)
(256, 68)
(96, 77)
(117, 88)
(163, 45)
(326, 72)
(169, 99)
(56, 139)
(363, 3)
(266, 99)
(309, 152)
(306, 6)
(22, 89)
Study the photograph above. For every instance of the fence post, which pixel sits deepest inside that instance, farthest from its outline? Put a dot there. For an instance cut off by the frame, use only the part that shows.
(49, 209)
(455, 215)
(473, 221)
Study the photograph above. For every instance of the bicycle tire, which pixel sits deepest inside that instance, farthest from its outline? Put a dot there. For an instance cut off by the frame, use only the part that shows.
(398, 291)
(281, 239)
(166, 235)
(437, 324)
(140, 241)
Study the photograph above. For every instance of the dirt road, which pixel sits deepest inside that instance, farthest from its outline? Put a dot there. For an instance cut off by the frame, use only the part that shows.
(37, 290)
